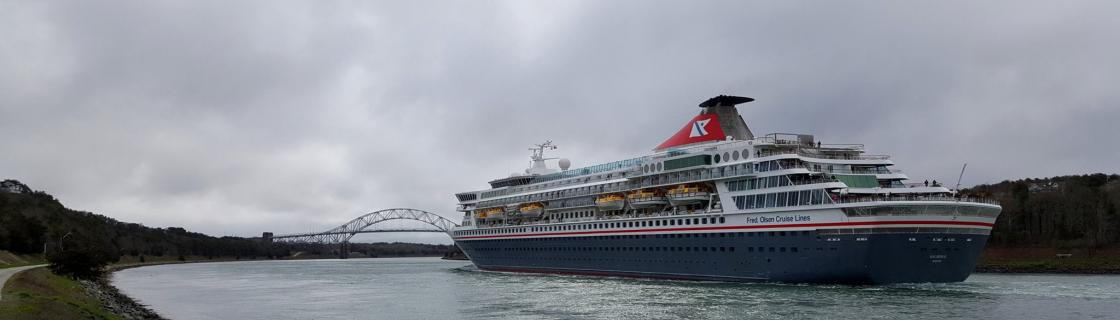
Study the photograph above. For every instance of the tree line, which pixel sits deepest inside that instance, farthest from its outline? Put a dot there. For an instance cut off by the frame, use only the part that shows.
(34, 222)
(1078, 211)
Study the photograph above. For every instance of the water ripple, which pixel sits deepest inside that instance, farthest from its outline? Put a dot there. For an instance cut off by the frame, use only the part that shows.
(425, 288)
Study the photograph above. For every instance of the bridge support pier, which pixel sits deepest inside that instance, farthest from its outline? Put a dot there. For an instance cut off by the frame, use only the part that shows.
(344, 250)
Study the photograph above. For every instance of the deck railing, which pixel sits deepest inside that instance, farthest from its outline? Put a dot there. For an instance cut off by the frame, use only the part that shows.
(861, 199)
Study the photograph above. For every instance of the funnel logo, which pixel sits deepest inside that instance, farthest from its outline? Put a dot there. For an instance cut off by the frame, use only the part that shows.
(704, 127)
(699, 128)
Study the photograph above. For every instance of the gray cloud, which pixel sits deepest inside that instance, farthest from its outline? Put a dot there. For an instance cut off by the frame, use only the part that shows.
(241, 118)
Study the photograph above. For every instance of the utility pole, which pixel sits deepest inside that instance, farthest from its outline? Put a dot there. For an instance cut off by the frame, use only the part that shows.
(60, 246)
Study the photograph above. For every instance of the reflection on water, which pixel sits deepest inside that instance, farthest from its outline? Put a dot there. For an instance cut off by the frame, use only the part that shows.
(429, 288)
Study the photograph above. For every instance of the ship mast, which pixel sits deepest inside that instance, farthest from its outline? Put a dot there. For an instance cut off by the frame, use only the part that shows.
(536, 161)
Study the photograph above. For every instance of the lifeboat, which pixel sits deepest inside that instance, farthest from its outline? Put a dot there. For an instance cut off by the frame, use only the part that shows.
(491, 214)
(612, 201)
(531, 209)
(687, 194)
(643, 199)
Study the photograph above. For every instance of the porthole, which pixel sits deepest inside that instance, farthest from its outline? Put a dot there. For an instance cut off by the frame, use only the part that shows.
(727, 156)
(746, 154)
(717, 158)
(735, 155)
(658, 166)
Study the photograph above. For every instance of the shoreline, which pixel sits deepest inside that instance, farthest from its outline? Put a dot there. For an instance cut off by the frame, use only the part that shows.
(124, 306)
(117, 302)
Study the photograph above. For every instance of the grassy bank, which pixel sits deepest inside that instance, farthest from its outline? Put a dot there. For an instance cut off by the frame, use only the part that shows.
(1050, 260)
(40, 294)
(8, 259)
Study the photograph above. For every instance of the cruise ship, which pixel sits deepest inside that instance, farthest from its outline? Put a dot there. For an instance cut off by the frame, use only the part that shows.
(715, 202)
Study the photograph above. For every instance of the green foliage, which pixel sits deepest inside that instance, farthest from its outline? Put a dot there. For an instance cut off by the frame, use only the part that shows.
(81, 255)
(31, 219)
(19, 233)
(1066, 212)
(79, 244)
(78, 264)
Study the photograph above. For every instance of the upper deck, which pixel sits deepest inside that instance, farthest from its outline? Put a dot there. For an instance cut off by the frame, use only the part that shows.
(721, 175)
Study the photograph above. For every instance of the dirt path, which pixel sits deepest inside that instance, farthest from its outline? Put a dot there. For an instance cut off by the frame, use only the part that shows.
(9, 272)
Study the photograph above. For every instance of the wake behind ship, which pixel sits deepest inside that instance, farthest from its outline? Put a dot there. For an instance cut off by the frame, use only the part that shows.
(714, 202)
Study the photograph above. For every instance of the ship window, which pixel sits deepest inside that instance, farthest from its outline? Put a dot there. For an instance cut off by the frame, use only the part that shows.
(746, 154)
(717, 158)
(695, 221)
(735, 155)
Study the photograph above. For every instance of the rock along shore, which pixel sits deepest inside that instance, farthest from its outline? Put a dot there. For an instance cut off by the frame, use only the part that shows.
(116, 302)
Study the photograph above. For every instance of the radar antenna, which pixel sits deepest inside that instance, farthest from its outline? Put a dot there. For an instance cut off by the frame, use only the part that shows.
(538, 152)
(536, 161)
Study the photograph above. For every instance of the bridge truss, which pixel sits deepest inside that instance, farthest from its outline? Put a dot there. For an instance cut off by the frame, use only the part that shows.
(366, 224)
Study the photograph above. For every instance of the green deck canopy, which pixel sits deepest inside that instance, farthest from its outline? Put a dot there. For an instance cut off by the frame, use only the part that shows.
(858, 180)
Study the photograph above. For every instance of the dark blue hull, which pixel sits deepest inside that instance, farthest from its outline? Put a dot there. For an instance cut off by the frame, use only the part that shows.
(782, 256)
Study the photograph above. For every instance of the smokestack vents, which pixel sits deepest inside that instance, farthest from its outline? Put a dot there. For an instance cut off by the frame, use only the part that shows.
(723, 106)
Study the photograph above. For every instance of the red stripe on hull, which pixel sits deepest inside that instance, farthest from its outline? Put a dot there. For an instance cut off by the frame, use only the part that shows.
(801, 225)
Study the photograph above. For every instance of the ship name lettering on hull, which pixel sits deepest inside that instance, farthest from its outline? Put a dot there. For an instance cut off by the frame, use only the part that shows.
(792, 218)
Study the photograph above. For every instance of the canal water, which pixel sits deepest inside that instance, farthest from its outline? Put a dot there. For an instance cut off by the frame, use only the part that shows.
(430, 288)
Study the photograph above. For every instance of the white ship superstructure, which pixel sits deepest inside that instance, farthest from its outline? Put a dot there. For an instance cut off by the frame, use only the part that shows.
(715, 202)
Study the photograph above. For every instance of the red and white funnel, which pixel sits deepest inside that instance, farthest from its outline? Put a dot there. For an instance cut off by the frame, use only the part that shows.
(718, 120)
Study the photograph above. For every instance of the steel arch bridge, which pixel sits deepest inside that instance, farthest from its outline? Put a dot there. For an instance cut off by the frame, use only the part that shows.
(363, 224)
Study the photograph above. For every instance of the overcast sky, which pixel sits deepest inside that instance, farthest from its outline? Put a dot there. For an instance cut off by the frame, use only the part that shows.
(237, 117)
